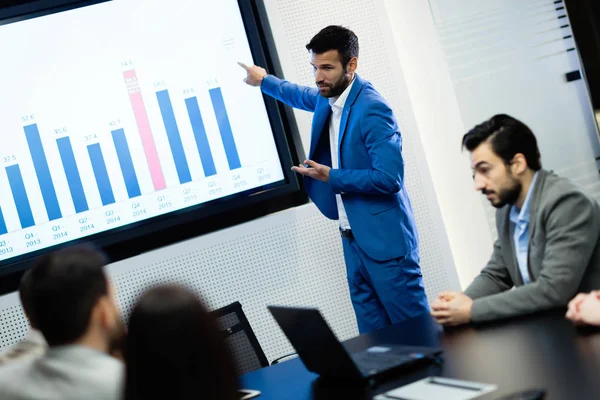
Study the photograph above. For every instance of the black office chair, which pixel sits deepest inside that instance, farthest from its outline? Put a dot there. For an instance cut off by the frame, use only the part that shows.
(240, 337)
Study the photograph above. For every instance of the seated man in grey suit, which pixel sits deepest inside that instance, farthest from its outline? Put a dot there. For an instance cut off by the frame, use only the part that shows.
(548, 245)
(33, 345)
(77, 314)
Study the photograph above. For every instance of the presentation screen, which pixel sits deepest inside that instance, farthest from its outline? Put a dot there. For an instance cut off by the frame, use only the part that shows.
(122, 118)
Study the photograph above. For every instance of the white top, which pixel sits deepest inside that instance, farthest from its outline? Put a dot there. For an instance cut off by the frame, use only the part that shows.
(337, 106)
(69, 372)
(32, 346)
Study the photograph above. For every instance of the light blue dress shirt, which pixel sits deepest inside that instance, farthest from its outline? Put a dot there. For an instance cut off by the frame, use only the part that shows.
(521, 236)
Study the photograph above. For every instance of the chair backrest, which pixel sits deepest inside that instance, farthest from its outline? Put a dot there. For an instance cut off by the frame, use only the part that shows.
(240, 337)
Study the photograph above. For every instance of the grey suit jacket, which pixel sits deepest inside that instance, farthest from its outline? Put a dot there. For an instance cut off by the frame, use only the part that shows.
(65, 373)
(563, 255)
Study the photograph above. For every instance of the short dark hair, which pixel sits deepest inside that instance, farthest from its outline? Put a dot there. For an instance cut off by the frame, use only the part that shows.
(65, 287)
(175, 349)
(507, 136)
(25, 296)
(335, 37)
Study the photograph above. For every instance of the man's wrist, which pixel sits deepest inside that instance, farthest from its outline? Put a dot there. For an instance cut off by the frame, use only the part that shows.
(262, 79)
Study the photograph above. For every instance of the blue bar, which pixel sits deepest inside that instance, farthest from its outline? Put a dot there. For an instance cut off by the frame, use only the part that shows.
(72, 172)
(127, 168)
(200, 134)
(42, 171)
(101, 174)
(226, 134)
(2, 224)
(168, 116)
(17, 187)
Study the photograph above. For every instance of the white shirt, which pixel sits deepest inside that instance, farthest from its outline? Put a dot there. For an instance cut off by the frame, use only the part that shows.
(337, 106)
(521, 236)
(68, 372)
(33, 346)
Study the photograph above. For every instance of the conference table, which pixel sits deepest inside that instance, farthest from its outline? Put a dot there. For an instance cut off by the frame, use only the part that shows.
(539, 351)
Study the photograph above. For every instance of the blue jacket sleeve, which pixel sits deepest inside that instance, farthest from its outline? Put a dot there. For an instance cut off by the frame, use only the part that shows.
(293, 95)
(384, 146)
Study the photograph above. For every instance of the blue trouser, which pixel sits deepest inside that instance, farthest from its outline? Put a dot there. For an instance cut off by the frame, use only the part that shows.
(383, 292)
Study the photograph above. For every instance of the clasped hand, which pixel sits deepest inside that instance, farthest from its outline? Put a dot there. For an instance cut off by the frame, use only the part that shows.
(585, 309)
(452, 308)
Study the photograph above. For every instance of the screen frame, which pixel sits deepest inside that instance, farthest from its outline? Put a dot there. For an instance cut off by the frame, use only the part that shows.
(159, 231)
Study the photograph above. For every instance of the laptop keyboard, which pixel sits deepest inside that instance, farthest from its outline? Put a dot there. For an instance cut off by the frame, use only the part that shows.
(370, 363)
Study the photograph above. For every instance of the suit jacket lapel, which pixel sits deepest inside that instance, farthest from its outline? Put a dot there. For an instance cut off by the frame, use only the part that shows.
(513, 250)
(352, 96)
(318, 124)
(535, 202)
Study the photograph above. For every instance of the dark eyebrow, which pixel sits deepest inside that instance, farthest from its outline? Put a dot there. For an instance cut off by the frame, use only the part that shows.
(322, 65)
(479, 164)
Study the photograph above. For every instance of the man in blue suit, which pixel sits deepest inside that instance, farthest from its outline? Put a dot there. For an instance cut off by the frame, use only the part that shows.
(355, 174)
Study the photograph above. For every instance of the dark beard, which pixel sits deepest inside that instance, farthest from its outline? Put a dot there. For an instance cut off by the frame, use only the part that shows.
(507, 196)
(340, 86)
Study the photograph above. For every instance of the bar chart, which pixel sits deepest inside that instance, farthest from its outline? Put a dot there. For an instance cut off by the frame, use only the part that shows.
(230, 178)
(143, 124)
(42, 171)
(126, 163)
(119, 140)
(72, 173)
(151, 119)
(206, 157)
(17, 187)
(168, 116)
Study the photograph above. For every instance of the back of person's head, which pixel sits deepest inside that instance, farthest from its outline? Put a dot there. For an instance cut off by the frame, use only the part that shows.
(25, 297)
(507, 136)
(174, 349)
(68, 287)
(335, 37)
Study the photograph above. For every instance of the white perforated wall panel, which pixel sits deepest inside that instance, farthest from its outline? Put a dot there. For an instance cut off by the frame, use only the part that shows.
(294, 23)
(511, 57)
(13, 324)
(292, 257)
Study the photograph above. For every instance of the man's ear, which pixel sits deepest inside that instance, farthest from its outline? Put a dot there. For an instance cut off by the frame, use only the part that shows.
(519, 164)
(103, 312)
(352, 65)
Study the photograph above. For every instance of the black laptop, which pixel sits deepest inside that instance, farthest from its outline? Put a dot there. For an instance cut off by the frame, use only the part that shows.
(322, 353)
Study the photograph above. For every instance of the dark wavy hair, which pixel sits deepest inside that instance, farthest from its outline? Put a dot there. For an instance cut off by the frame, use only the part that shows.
(175, 350)
(335, 37)
(62, 289)
(507, 136)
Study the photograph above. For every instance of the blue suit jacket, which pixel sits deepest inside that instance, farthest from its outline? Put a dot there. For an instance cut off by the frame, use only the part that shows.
(370, 177)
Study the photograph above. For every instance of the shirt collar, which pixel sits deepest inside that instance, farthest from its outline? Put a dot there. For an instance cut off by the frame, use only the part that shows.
(523, 214)
(36, 336)
(340, 100)
(75, 352)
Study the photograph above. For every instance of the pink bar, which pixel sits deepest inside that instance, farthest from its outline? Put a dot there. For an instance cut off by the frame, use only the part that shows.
(143, 124)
